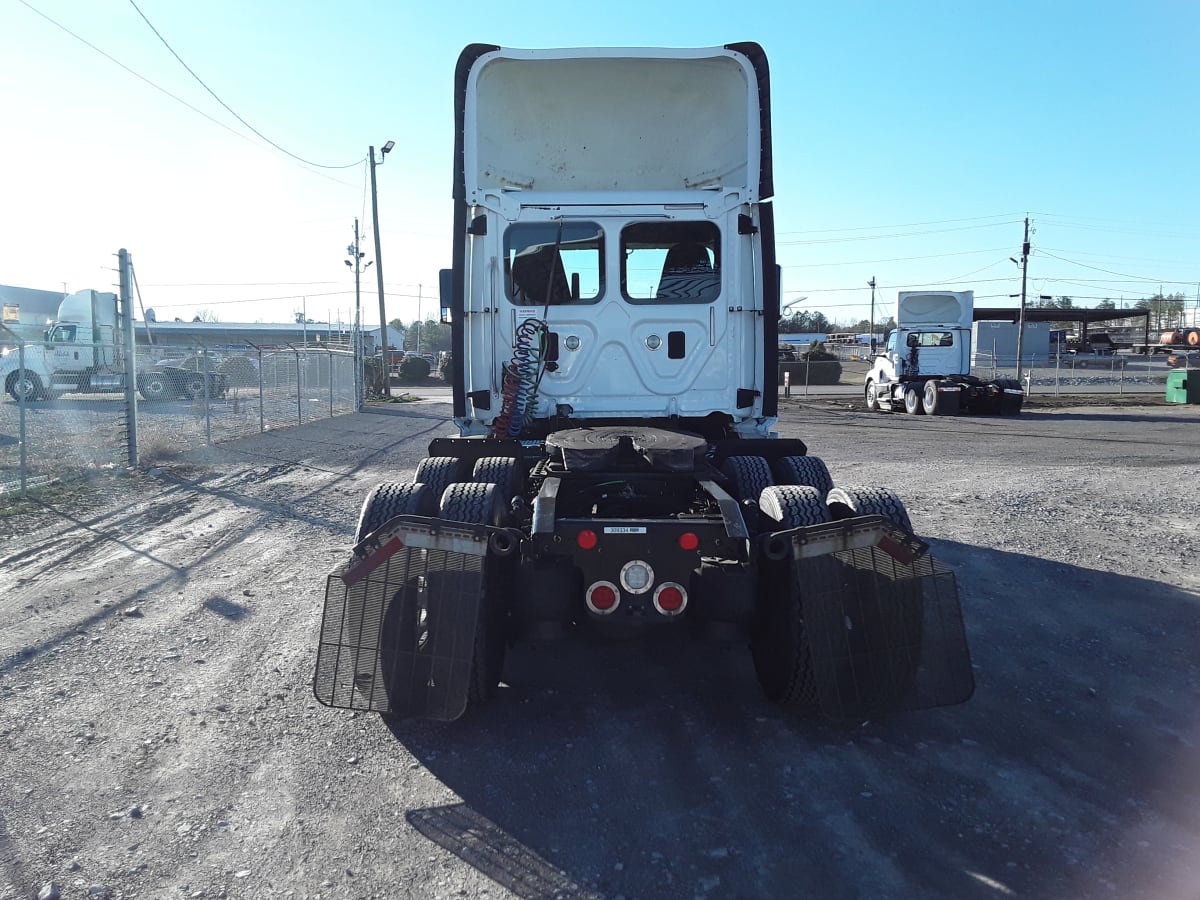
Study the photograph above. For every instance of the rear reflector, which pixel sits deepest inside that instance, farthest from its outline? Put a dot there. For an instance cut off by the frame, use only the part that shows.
(670, 598)
(688, 541)
(603, 597)
(586, 539)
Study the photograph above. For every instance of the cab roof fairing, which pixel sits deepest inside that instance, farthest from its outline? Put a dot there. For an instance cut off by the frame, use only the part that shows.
(538, 121)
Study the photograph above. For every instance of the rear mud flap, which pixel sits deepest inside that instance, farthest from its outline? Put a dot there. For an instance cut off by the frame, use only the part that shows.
(881, 617)
(398, 631)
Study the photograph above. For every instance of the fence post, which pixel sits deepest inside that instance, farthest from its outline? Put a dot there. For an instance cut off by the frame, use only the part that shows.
(21, 435)
(262, 425)
(299, 378)
(205, 375)
(129, 347)
(22, 431)
(329, 357)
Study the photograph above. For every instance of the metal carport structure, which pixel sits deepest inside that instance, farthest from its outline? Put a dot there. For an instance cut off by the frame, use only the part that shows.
(1084, 317)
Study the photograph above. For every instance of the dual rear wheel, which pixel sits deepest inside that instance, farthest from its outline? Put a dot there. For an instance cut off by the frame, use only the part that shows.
(855, 605)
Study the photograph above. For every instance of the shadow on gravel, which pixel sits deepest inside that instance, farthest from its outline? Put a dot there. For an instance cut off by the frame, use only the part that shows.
(1139, 417)
(226, 609)
(655, 768)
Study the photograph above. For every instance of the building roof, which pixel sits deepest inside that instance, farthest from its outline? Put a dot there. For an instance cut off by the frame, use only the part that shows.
(1084, 317)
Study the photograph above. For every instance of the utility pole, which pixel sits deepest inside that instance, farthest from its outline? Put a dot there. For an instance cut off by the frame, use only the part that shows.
(383, 342)
(872, 285)
(356, 255)
(1021, 317)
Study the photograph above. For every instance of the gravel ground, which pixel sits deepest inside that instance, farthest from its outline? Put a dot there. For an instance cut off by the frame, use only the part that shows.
(161, 740)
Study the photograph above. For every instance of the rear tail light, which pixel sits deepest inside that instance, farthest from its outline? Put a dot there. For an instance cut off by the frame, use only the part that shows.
(670, 598)
(603, 597)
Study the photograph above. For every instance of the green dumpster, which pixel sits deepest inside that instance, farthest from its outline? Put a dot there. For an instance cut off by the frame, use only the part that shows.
(1183, 386)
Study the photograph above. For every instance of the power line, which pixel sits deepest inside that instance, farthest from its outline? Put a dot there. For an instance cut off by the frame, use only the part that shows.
(881, 237)
(152, 84)
(113, 59)
(1121, 274)
(871, 262)
(200, 81)
(904, 225)
(1140, 259)
(1118, 226)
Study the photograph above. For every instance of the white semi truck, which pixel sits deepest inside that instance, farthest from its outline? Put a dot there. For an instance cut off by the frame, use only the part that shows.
(85, 351)
(925, 367)
(613, 302)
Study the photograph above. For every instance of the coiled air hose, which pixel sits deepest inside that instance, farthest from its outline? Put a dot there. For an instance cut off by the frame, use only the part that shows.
(519, 390)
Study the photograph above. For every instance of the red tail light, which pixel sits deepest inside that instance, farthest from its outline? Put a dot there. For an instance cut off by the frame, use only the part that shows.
(688, 541)
(670, 598)
(586, 539)
(603, 597)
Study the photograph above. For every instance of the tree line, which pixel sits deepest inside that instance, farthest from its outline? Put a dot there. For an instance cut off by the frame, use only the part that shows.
(1167, 311)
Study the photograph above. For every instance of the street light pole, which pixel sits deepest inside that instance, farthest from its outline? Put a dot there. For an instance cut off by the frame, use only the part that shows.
(383, 343)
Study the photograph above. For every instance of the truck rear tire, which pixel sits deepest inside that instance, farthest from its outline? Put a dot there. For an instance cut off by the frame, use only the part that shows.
(390, 499)
(194, 385)
(779, 643)
(912, 401)
(501, 471)
(748, 475)
(845, 503)
(930, 400)
(807, 470)
(154, 386)
(473, 503)
(482, 504)
(793, 505)
(439, 472)
(884, 617)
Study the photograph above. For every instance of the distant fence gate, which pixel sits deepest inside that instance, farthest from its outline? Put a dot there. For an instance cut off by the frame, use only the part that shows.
(185, 398)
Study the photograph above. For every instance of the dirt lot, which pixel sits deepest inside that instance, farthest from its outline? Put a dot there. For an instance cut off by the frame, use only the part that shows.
(160, 738)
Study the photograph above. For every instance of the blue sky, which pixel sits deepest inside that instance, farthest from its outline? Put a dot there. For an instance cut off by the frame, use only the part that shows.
(911, 139)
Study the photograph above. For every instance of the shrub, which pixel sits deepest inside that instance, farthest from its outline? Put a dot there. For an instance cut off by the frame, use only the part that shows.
(817, 352)
(413, 368)
(816, 372)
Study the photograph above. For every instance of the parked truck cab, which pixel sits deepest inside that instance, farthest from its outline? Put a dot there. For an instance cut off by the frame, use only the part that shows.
(613, 302)
(925, 366)
(88, 349)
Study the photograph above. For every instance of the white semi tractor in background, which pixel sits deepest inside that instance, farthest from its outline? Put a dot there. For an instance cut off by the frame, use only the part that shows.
(925, 367)
(86, 351)
(613, 301)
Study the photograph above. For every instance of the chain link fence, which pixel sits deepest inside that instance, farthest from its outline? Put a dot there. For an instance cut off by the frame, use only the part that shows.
(81, 416)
